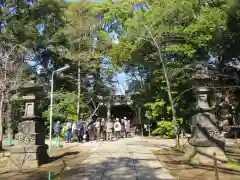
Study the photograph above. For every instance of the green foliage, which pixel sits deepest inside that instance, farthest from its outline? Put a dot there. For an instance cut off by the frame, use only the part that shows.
(154, 110)
(63, 130)
(165, 129)
(184, 31)
(64, 108)
(160, 113)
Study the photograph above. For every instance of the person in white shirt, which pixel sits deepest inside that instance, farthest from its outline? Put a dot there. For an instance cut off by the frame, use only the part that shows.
(97, 126)
(127, 127)
(117, 128)
(74, 129)
(109, 129)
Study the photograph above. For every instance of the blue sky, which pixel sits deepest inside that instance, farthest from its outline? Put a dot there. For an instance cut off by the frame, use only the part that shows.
(121, 78)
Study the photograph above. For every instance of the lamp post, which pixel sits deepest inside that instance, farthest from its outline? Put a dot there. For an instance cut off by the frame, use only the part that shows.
(51, 104)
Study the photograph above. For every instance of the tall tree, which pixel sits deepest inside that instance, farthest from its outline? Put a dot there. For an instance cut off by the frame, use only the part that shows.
(162, 38)
(12, 75)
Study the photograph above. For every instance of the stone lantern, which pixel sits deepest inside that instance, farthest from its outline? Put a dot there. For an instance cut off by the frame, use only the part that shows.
(205, 135)
(31, 150)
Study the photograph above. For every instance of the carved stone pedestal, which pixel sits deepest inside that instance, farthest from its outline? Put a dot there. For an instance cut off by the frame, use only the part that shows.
(204, 155)
(29, 156)
(205, 141)
(31, 132)
(31, 151)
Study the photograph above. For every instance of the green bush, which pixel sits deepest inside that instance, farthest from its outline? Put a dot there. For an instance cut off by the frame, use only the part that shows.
(164, 129)
(63, 131)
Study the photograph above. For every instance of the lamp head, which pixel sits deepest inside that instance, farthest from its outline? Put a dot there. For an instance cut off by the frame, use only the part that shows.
(62, 69)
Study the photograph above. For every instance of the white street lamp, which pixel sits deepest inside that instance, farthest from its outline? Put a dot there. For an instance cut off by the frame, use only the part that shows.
(62, 69)
(51, 105)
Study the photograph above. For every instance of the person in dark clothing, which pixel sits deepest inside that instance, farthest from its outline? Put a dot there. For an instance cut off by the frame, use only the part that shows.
(68, 131)
(91, 132)
(80, 130)
(57, 132)
(57, 128)
(86, 135)
(103, 129)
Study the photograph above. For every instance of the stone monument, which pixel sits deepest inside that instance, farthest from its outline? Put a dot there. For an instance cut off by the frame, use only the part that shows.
(31, 150)
(205, 135)
(224, 117)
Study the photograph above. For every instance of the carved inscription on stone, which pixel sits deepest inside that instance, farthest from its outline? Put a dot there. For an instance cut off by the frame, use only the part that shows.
(213, 132)
(26, 138)
(29, 109)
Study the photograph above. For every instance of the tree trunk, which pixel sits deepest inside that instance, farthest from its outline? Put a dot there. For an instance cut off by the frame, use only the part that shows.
(169, 94)
(94, 111)
(140, 118)
(9, 123)
(234, 123)
(149, 128)
(1, 120)
(109, 108)
(79, 90)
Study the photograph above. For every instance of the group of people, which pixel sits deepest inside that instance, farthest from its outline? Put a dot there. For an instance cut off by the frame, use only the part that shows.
(97, 129)
(102, 129)
(76, 129)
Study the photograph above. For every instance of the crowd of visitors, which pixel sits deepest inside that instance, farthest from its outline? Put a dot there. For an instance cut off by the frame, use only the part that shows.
(96, 130)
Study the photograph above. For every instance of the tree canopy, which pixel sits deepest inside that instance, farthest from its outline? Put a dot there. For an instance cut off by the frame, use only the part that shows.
(183, 31)
(158, 41)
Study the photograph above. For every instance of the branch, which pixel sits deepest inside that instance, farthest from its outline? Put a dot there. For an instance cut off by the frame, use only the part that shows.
(211, 87)
(2, 18)
(93, 103)
(182, 93)
(168, 83)
(94, 111)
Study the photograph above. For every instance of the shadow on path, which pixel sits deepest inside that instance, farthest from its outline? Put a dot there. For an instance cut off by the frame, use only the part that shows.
(119, 168)
(55, 158)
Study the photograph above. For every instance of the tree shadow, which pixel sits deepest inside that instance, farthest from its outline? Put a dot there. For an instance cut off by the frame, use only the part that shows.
(204, 167)
(120, 168)
(55, 158)
(64, 149)
(182, 169)
(151, 145)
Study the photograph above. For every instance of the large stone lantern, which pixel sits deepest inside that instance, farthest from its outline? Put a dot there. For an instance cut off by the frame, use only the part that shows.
(31, 150)
(205, 135)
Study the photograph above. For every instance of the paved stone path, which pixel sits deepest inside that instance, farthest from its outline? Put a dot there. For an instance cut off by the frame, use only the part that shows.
(125, 159)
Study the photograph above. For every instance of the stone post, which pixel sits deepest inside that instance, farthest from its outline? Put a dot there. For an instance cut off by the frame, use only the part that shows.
(205, 135)
(31, 150)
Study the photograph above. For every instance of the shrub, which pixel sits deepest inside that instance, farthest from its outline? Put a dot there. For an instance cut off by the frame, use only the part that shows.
(63, 131)
(164, 129)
